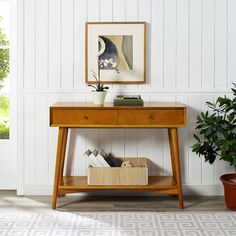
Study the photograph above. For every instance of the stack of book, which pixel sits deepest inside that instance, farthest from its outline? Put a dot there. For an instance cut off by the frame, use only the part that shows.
(128, 100)
(100, 158)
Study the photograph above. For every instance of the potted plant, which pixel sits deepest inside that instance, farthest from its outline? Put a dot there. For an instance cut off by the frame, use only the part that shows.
(99, 93)
(217, 139)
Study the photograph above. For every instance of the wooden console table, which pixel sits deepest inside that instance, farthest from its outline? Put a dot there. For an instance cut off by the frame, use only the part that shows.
(87, 115)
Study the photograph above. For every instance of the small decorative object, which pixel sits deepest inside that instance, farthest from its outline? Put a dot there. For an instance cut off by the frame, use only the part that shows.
(128, 100)
(121, 50)
(217, 139)
(126, 164)
(99, 93)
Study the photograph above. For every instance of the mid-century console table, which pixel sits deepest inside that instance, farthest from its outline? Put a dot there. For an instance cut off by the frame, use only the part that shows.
(168, 115)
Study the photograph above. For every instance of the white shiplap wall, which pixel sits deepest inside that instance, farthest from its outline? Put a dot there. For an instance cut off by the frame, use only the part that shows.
(191, 58)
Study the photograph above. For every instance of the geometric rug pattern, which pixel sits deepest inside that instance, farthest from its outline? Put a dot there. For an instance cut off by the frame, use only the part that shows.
(53, 223)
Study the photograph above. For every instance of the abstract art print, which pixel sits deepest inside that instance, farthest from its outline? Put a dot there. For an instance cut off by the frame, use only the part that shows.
(116, 51)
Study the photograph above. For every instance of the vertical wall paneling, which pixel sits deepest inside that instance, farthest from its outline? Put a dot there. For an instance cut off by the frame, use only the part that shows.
(195, 43)
(106, 10)
(93, 10)
(157, 43)
(29, 44)
(170, 43)
(220, 169)
(29, 140)
(191, 54)
(119, 10)
(144, 10)
(67, 44)
(41, 137)
(80, 163)
(131, 10)
(156, 156)
(131, 142)
(41, 44)
(195, 170)
(105, 137)
(144, 146)
(80, 14)
(118, 144)
(221, 38)
(182, 39)
(54, 45)
(208, 43)
(231, 42)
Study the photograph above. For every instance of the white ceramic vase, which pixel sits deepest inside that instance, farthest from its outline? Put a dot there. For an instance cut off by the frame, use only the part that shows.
(99, 97)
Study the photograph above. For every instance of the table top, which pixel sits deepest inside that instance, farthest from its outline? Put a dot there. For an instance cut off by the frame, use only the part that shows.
(151, 115)
(147, 105)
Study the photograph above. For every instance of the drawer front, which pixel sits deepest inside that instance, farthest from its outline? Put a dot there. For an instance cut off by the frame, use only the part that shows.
(77, 117)
(158, 118)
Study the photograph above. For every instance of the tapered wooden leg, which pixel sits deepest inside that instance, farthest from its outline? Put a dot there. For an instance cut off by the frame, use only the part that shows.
(65, 134)
(171, 153)
(173, 134)
(61, 148)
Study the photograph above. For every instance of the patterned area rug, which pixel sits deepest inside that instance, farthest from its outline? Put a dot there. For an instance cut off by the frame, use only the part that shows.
(48, 222)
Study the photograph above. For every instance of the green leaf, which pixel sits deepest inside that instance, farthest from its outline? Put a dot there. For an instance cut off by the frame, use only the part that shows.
(196, 137)
(205, 126)
(195, 147)
(209, 103)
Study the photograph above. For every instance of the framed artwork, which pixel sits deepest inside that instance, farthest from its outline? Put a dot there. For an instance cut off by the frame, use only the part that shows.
(116, 51)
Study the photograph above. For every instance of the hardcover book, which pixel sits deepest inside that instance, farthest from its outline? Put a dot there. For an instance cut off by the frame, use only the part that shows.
(128, 102)
(90, 161)
(95, 159)
(113, 162)
(100, 157)
(128, 96)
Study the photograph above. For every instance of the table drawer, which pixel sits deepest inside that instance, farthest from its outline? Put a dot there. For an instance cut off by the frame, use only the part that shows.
(76, 117)
(150, 117)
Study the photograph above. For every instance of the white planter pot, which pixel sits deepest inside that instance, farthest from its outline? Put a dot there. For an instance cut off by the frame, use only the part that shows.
(99, 97)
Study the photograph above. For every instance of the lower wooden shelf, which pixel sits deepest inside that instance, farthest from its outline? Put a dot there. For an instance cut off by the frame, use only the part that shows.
(162, 184)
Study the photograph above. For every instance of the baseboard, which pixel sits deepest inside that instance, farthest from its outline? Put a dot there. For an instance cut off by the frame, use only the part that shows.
(201, 190)
(3, 187)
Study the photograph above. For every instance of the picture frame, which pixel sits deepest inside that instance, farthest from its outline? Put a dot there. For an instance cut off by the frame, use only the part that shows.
(117, 51)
